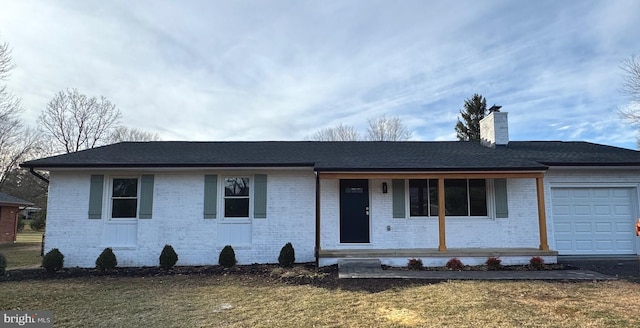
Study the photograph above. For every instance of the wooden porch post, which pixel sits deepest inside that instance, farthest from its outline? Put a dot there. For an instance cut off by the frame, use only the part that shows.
(442, 247)
(542, 218)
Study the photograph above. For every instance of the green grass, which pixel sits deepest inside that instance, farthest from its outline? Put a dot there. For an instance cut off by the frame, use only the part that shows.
(25, 252)
(29, 236)
(256, 301)
(21, 255)
(249, 301)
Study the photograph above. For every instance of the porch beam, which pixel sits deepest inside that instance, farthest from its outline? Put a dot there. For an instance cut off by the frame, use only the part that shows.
(432, 175)
(542, 218)
(442, 237)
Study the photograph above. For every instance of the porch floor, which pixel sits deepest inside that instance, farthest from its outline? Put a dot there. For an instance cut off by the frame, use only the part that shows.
(433, 252)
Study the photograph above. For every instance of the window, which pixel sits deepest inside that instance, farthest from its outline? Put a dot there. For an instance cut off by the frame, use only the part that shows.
(463, 197)
(236, 197)
(423, 195)
(124, 198)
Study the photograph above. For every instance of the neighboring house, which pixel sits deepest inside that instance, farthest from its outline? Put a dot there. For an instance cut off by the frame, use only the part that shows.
(331, 200)
(9, 208)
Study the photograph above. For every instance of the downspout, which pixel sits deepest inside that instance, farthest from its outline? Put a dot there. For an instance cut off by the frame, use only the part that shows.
(317, 248)
(38, 175)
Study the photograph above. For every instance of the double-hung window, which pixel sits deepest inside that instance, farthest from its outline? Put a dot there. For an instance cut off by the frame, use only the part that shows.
(124, 198)
(463, 197)
(236, 197)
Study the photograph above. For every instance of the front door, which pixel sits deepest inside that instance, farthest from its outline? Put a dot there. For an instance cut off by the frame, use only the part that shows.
(354, 211)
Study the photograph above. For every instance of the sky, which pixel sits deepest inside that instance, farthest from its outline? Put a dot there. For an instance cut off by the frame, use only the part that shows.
(281, 70)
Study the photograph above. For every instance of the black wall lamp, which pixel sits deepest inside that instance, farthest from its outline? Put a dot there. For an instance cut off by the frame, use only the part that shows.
(384, 188)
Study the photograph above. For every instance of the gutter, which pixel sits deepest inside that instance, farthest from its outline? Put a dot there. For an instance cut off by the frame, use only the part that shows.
(38, 175)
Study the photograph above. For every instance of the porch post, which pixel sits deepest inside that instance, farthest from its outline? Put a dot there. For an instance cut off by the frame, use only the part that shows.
(542, 218)
(442, 247)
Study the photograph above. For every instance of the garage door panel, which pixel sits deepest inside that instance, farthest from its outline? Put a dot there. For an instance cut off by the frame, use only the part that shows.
(604, 227)
(582, 228)
(604, 245)
(602, 210)
(559, 210)
(564, 245)
(623, 193)
(622, 210)
(625, 245)
(581, 210)
(622, 227)
(584, 245)
(592, 221)
(580, 193)
(563, 228)
(600, 193)
(559, 193)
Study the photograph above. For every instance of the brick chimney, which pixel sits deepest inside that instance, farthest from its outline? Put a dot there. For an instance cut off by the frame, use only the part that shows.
(494, 129)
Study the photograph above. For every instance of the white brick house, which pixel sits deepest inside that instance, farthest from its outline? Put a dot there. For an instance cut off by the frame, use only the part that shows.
(388, 200)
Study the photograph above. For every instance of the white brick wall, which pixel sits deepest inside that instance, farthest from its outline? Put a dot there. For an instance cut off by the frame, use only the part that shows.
(178, 207)
(178, 220)
(519, 230)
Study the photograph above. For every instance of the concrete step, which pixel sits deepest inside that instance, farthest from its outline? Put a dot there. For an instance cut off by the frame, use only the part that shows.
(345, 264)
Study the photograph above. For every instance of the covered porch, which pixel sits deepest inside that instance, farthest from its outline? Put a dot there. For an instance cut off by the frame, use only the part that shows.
(395, 250)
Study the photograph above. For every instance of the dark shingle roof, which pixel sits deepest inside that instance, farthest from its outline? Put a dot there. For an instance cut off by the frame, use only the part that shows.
(572, 153)
(345, 156)
(8, 199)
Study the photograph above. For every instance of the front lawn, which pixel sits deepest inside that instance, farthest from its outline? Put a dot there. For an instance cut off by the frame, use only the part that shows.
(21, 255)
(234, 300)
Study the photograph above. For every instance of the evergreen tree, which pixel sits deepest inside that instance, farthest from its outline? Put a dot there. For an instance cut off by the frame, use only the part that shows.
(475, 109)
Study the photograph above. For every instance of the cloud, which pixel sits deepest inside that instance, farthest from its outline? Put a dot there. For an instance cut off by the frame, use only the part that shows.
(281, 70)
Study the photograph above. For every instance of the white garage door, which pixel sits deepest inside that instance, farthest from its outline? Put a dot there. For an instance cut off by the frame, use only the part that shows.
(594, 221)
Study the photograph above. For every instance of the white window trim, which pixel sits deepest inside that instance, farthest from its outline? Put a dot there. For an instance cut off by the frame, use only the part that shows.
(490, 195)
(109, 196)
(221, 200)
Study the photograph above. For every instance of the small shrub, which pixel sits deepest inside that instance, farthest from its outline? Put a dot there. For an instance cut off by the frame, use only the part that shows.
(415, 264)
(3, 264)
(106, 260)
(287, 255)
(168, 257)
(227, 257)
(494, 263)
(39, 222)
(20, 223)
(53, 260)
(536, 263)
(455, 264)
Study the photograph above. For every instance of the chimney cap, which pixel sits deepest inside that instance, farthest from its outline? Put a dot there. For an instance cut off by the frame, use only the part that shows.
(494, 108)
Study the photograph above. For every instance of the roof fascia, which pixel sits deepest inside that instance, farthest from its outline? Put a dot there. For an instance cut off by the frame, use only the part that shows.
(176, 169)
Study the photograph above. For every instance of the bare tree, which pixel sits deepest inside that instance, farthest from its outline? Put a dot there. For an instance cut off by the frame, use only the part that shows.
(78, 122)
(123, 133)
(17, 142)
(387, 129)
(338, 133)
(631, 88)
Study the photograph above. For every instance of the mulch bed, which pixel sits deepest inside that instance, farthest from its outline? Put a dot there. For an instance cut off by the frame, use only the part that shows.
(298, 274)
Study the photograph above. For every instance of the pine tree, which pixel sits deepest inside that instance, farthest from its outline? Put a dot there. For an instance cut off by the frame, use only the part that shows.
(475, 109)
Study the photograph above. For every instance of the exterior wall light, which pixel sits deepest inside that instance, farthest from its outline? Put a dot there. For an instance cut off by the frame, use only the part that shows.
(384, 188)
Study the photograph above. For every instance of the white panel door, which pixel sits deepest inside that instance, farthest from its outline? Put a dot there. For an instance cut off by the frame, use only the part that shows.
(594, 221)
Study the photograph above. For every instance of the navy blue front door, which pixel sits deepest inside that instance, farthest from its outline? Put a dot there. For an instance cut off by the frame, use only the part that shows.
(354, 211)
